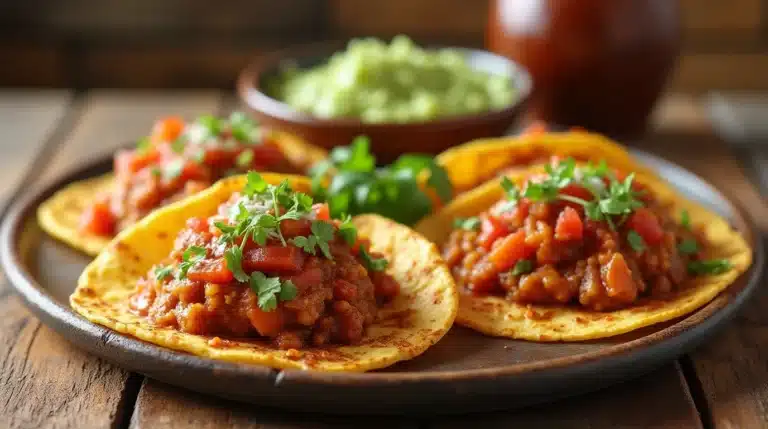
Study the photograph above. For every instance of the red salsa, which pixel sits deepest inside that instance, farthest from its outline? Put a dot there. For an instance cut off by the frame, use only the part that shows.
(290, 275)
(178, 159)
(580, 235)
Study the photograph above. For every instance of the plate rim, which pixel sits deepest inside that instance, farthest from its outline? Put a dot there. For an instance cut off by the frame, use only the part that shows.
(680, 336)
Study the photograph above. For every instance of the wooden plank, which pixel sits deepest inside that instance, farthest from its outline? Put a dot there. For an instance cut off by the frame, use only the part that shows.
(722, 16)
(459, 20)
(160, 405)
(27, 118)
(660, 400)
(46, 381)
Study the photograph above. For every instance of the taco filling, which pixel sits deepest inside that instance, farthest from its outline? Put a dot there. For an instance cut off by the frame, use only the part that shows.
(584, 236)
(270, 264)
(179, 159)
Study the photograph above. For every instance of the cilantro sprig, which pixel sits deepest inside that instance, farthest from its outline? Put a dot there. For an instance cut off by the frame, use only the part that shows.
(709, 267)
(322, 233)
(191, 256)
(467, 224)
(371, 263)
(350, 183)
(270, 290)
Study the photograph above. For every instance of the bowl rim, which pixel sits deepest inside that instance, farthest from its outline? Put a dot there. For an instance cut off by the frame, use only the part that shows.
(250, 91)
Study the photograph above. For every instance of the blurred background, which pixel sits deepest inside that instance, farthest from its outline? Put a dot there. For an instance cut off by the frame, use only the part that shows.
(203, 43)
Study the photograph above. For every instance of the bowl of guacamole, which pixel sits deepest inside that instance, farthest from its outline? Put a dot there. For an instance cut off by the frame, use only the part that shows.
(403, 96)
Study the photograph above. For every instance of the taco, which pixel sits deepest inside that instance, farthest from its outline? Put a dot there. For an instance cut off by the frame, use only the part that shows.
(177, 159)
(299, 291)
(571, 251)
(473, 163)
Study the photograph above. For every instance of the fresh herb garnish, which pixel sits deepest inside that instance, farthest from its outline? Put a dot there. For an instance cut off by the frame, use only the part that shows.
(271, 289)
(211, 123)
(685, 219)
(711, 266)
(234, 260)
(191, 256)
(347, 230)
(163, 271)
(635, 241)
(178, 145)
(468, 224)
(522, 266)
(322, 233)
(371, 263)
(143, 145)
(242, 127)
(688, 247)
(350, 183)
(244, 159)
(156, 171)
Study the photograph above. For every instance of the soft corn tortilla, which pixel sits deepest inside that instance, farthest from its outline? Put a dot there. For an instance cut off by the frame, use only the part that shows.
(406, 327)
(59, 216)
(497, 316)
(473, 163)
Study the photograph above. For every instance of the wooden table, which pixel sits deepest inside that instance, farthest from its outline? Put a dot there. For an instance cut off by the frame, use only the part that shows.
(45, 382)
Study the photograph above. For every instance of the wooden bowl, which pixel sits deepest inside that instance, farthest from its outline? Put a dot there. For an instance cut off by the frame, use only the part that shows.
(388, 139)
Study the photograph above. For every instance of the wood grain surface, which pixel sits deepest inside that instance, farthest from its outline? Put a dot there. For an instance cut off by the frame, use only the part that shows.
(45, 382)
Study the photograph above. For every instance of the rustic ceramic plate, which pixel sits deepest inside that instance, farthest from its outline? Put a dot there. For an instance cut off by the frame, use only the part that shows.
(464, 372)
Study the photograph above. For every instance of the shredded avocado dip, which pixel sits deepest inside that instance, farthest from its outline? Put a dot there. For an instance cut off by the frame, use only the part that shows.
(396, 82)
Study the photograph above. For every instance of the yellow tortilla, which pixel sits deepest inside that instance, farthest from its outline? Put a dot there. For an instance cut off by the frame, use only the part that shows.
(406, 327)
(473, 163)
(497, 316)
(59, 216)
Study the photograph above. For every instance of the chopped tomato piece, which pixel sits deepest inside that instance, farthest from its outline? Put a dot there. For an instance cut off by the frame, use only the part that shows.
(491, 229)
(511, 249)
(267, 154)
(569, 225)
(296, 227)
(197, 224)
(577, 191)
(274, 258)
(618, 280)
(98, 219)
(646, 224)
(267, 323)
(344, 290)
(321, 211)
(211, 271)
(194, 171)
(167, 129)
(216, 157)
(384, 285)
(127, 162)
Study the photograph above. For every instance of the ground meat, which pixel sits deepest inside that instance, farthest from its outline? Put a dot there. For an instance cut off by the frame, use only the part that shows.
(600, 271)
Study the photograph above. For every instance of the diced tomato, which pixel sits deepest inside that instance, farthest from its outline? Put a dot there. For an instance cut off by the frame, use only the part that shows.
(217, 157)
(322, 212)
(307, 278)
(268, 323)
(518, 214)
(577, 191)
(284, 259)
(167, 129)
(197, 224)
(360, 242)
(194, 171)
(569, 226)
(211, 271)
(98, 219)
(267, 154)
(384, 285)
(344, 290)
(127, 162)
(296, 227)
(646, 224)
(491, 228)
(511, 249)
(619, 283)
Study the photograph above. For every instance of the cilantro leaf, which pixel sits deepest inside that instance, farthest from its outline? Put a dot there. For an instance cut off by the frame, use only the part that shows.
(191, 256)
(371, 263)
(234, 260)
(711, 266)
(255, 184)
(270, 289)
(324, 233)
(163, 271)
(356, 157)
(143, 145)
(635, 241)
(469, 223)
(211, 123)
(178, 145)
(522, 266)
(242, 127)
(438, 177)
(347, 230)
(688, 247)
(244, 159)
(288, 291)
(685, 219)
(306, 244)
